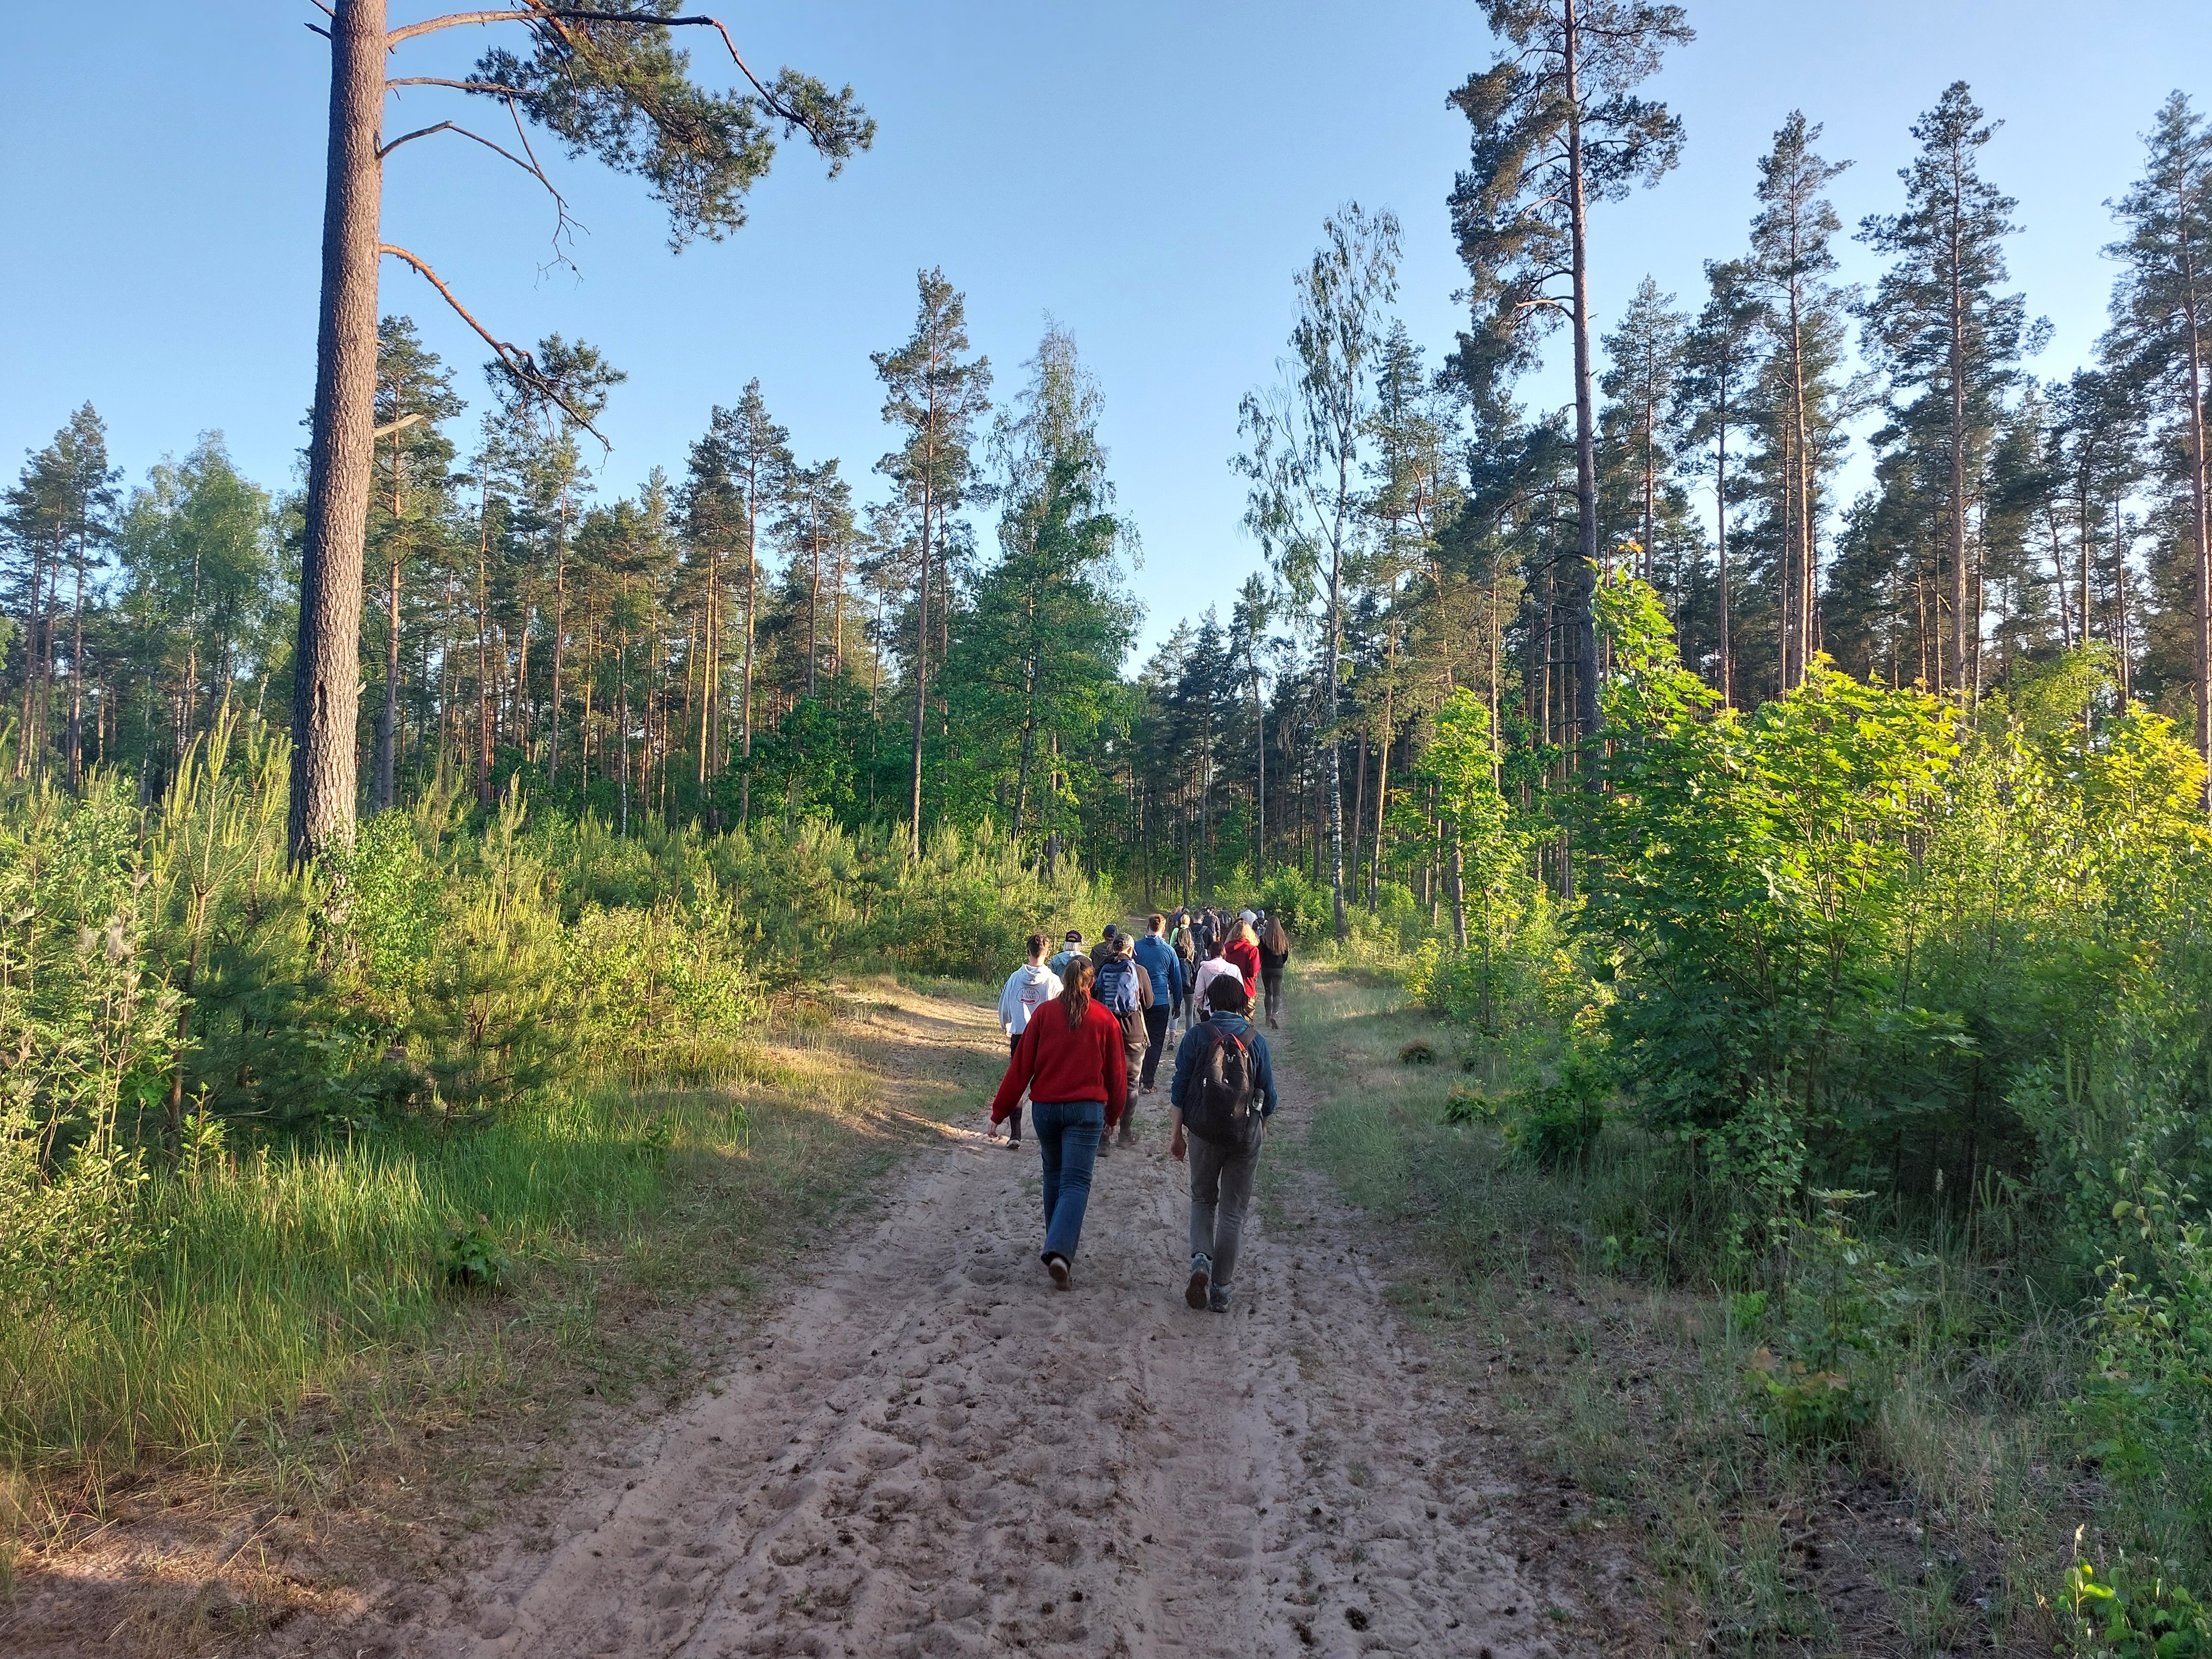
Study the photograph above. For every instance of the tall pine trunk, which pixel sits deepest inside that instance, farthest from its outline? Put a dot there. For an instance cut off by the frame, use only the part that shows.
(326, 673)
(1581, 590)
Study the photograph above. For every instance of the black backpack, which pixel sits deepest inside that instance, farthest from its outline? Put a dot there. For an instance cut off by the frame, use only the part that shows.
(1224, 1107)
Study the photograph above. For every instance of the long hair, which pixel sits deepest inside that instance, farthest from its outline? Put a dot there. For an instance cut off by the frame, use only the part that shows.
(1277, 941)
(1076, 991)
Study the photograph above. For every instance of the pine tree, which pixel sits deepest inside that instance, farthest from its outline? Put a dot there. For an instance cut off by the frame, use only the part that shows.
(937, 393)
(539, 443)
(1790, 255)
(756, 454)
(410, 502)
(1645, 357)
(616, 88)
(1556, 128)
(1934, 323)
(2161, 333)
(1721, 365)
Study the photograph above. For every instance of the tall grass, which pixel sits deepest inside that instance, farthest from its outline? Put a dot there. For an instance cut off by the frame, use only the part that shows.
(276, 1269)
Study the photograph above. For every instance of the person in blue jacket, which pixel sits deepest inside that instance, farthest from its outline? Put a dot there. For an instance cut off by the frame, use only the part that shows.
(1165, 968)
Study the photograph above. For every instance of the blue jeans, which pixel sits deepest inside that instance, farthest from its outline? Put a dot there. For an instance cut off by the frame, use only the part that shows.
(1067, 1134)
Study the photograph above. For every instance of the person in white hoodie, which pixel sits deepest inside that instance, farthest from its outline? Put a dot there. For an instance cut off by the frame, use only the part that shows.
(1029, 987)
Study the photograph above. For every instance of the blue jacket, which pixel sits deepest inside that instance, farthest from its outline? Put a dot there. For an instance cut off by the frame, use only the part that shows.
(1193, 1047)
(1157, 957)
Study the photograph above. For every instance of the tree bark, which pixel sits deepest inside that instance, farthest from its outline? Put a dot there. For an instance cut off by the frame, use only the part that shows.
(1581, 590)
(327, 686)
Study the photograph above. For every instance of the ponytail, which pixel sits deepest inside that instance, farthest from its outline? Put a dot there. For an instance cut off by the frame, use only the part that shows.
(1076, 993)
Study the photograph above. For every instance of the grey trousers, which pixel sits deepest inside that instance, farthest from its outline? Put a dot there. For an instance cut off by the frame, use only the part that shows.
(1220, 1193)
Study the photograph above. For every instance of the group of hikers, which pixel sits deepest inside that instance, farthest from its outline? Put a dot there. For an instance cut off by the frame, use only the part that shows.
(1085, 1031)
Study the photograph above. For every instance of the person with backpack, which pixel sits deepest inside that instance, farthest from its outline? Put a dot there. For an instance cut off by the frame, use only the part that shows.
(1071, 1061)
(1165, 970)
(1028, 988)
(1126, 991)
(1274, 957)
(1222, 1095)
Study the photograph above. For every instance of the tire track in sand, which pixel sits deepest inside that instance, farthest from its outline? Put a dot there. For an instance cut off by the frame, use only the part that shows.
(931, 1452)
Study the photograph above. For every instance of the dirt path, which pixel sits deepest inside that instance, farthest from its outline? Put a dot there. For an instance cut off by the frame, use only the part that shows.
(930, 1451)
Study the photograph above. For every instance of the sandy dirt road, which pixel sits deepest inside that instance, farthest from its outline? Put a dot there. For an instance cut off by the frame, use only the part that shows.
(928, 1451)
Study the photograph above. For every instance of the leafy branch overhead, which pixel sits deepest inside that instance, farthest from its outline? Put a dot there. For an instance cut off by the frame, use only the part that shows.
(611, 83)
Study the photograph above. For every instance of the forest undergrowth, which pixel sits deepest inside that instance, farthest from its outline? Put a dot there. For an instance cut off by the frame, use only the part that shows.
(274, 1144)
(1828, 1175)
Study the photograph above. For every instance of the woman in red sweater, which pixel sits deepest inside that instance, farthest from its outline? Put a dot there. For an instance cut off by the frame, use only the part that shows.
(1243, 950)
(1069, 1059)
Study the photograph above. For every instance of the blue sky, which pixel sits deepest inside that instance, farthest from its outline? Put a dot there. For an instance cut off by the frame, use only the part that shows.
(1150, 174)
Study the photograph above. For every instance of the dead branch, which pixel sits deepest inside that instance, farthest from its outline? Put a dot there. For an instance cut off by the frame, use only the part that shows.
(517, 362)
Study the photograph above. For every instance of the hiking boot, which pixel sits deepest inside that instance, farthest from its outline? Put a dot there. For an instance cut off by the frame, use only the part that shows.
(1057, 1266)
(1194, 1294)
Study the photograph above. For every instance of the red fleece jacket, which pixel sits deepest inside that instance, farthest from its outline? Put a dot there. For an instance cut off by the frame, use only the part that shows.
(1246, 956)
(1057, 1065)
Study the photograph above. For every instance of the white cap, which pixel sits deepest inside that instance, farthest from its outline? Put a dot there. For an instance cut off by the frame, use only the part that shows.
(1246, 915)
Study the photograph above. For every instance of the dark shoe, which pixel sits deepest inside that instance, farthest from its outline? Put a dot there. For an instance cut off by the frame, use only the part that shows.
(1057, 1266)
(1126, 1139)
(1013, 1140)
(1194, 1294)
(1217, 1300)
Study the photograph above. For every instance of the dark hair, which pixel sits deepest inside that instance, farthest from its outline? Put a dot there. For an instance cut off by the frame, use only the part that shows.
(1036, 945)
(1155, 921)
(1277, 941)
(1227, 995)
(1076, 991)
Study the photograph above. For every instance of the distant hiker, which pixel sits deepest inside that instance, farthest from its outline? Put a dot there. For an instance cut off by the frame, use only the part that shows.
(1073, 948)
(1274, 955)
(1242, 948)
(1071, 1060)
(1186, 955)
(1029, 987)
(1222, 1095)
(1165, 969)
(1123, 988)
(1206, 938)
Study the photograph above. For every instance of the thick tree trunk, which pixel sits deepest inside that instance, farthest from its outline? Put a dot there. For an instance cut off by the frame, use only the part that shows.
(326, 685)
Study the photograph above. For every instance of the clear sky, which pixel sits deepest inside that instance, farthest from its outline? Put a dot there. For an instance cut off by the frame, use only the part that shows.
(1149, 174)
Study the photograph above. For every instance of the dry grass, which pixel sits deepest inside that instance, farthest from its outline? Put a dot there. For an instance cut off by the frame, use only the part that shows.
(388, 1446)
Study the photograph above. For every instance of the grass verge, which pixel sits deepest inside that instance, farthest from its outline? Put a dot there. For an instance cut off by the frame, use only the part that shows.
(298, 1395)
(1942, 1529)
